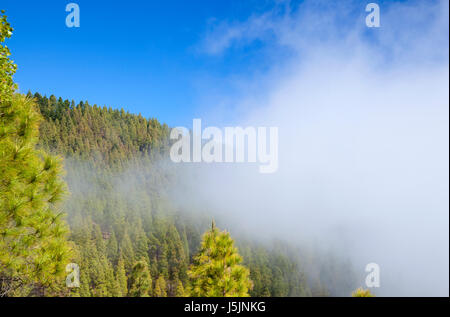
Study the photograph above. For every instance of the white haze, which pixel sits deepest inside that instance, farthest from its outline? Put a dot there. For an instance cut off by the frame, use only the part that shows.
(364, 138)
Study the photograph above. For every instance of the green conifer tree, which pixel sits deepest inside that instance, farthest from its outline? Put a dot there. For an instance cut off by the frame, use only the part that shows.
(112, 248)
(7, 66)
(140, 280)
(126, 248)
(216, 271)
(180, 292)
(160, 287)
(141, 243)
(360, 292)
(33, 245)
(113, 284)
(121, 277)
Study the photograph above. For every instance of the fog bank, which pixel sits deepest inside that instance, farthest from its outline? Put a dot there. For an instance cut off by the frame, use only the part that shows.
(363, 138)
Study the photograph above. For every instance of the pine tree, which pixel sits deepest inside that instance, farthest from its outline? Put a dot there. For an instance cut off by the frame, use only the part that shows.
(160, 287)
(360, 292)
(98, 270)
(33, 245)
(121, 277)
(113, 284)
(140, 243)
(177, 265)
(279, 284)
(163, 265)
(112, 248)
(180, 292)
(126, 248)
(7, 67)
(140, 280)
(216, 271)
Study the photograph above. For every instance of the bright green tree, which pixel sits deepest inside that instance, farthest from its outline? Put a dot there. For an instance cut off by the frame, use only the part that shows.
(7, 66)
(160, 287)
(121, 277)
(217, 271)
(126, 248)
(113, 285)
(180, 292)
(140, 243)
(140, 280)
(112, 247)
(360, 292)
(33, 246)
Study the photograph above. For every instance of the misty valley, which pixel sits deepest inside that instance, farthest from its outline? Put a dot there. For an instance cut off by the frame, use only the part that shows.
(122, 209)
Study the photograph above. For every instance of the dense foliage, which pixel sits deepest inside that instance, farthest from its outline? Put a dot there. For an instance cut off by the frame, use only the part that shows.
(33, 245)
(7, 66)
(217, 269)
(101, 135)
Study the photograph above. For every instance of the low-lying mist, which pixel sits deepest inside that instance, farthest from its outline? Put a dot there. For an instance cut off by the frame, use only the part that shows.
(363, 140)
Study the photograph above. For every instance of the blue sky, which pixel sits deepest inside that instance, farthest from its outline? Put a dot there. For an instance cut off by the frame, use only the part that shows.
(149, 57)
(139, 55)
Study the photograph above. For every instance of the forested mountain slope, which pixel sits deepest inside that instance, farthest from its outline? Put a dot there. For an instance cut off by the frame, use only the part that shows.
(98, 134)
(120, 213)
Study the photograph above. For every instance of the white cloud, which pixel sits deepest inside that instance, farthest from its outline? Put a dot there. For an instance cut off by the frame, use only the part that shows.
(364, 147)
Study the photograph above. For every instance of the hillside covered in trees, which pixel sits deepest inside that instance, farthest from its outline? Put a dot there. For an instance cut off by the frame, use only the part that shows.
(120, 212)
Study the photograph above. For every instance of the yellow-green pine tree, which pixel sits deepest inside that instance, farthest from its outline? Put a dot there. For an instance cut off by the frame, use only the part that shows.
(33, 246)
(140, 280)
(121, 277)
(217, 269)
(160, 287)
(360, 292)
